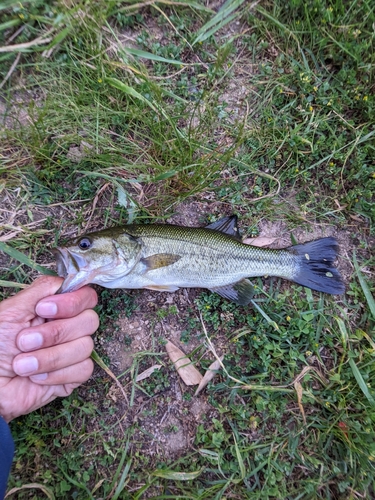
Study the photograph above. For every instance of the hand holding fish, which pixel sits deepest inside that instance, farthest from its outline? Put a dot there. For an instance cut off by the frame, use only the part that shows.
(45, 345)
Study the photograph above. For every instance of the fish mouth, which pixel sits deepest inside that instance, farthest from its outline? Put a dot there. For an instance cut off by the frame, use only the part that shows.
(71, 267)
(61, 258)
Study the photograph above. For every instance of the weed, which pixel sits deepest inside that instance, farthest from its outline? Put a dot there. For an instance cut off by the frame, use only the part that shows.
(112, 304)
(164, 313)
(159, 381)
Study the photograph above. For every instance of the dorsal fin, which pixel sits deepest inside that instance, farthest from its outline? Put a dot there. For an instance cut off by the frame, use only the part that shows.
(227, 225)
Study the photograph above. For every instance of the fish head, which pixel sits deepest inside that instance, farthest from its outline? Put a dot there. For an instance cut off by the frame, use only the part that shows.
(96, 258)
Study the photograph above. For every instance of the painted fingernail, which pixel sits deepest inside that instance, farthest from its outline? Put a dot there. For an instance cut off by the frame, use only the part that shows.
(46, 309)
(25, 366)
(31, 341)
(38, 377)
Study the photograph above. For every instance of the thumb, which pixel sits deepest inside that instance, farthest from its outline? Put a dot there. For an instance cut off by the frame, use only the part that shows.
(29, 297)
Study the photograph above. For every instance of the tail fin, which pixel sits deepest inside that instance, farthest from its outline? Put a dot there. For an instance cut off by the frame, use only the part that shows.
(316, 266)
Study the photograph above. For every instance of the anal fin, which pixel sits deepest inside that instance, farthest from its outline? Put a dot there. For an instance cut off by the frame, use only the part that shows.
(241, 292)
(162, 288)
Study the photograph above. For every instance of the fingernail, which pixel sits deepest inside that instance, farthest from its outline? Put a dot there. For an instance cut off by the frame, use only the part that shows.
(46, 309)
(31, 341)
(38, 377)
(25, 366)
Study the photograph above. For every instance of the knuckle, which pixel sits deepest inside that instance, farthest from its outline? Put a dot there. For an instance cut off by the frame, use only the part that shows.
(88, 297)
(53, 361)
(72, 303)
(47, 282)
(42, 280)
(55, 333)
(80, 300)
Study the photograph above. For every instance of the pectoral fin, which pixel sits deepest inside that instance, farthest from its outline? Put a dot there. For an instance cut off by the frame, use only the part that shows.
(159, 260)
(227, 225)
(241, 292)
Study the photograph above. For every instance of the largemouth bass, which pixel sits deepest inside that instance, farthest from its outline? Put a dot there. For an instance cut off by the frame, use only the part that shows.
(166, 257)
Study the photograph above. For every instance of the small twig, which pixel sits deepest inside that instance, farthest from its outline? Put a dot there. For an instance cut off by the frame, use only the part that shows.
(16, 33)
(169, 76)
(103, 188)
(12, 68)
(139, 5)
(19, 46)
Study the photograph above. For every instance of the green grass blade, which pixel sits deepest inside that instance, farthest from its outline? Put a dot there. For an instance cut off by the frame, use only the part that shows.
(12, 284)
(360, 381)
(98, 360)
(6, 4)
(177, 476)
(114, 82)
(151, 57)
(240, 459)
(10, 24)
(212, 31)
(60, 37)
(117, 84)
(165, 175)
(24, 259)
(174, 96)
(277, 23)
(343, 331)
(265, 316)
(120, 465)
(365, 287)
(182, 3)
(265, 388)
(340, 45)
(123, 478)
(293, 239)
(219, 20)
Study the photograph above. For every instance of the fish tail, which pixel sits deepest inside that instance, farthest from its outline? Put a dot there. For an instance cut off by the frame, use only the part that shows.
(316, 270)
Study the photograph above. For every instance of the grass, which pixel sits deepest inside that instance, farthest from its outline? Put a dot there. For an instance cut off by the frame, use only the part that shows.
(117, 112)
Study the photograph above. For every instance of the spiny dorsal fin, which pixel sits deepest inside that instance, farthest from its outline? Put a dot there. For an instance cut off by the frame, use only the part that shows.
(241, 292)
(227, 225)
(160, 260)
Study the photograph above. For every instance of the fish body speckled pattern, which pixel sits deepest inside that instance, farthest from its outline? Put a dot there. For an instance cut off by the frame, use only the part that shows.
(166, 257)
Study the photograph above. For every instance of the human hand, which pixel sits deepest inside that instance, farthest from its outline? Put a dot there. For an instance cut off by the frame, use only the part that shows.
(45, 345)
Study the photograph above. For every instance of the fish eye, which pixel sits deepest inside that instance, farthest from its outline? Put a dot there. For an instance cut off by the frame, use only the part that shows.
(84, 244)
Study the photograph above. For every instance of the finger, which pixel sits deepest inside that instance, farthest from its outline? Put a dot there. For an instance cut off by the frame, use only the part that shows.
(53, 358)
(29, 297)
(67, 305)
(59, 331)
(75, 374)
(34, 395)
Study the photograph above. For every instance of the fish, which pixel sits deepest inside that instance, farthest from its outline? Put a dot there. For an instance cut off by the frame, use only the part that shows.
(166, 257)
